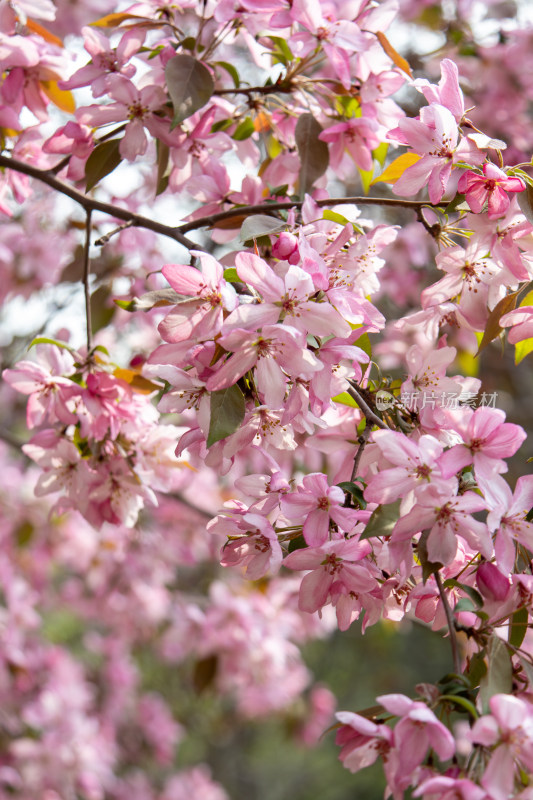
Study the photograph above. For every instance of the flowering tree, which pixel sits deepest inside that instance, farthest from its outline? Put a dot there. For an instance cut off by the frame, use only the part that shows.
(273, 372)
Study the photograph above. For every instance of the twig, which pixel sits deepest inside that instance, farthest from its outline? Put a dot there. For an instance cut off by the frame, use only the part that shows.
(86, 277)
(451, 625)
(89, 203)
(363, 440)
(107, 236)
(365, 408)
(280, 88)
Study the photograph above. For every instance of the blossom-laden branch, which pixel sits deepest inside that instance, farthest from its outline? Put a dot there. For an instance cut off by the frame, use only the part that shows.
(177, 232)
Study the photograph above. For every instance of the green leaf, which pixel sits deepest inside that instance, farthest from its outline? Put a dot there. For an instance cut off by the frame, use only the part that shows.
(126, 305)
(493, 327)
(522, 349)
(365, 344)
(454, 204)
(477, 669)
(380, 153)
(260, 225)
(163, 172)
(103, 160)
(46, 340)
(281, 51)
(525, 201)
(222, 125)
(101, 311)
(350, 487)
(24, 533)
(190, 86)
(231, 275)
(227, 413)
(382, 521)
(314, 154)
(333, 216)
(155, 299)
(345, 399)
(527, 666)
(464, 604)
(244, 130)
(298, 543)
(366, 176)
(518, 627)
(499, 677)
(230, 69)
(458, 700)
(473, 594)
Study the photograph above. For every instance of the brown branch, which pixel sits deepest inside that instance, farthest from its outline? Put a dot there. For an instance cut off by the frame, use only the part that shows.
(451, 624)
(107, 236)
(177, 233)
(86, 281)
(365, 408)
(363, 441)
(258, 208)
(90, 204)
(280, 88)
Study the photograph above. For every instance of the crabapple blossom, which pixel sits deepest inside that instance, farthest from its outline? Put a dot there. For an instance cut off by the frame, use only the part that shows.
(490, 188)
(318, 505)
(217, 287)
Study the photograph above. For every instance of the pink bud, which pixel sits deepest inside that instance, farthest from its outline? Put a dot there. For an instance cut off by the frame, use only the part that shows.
(286, 248)
(491, 582)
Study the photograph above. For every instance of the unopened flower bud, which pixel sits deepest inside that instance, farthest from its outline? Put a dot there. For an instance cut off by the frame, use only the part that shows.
(491, 582)
(286, 248)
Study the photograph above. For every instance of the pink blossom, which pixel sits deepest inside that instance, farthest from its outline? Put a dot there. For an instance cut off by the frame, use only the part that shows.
(509, 727)
(435, 137)
(331, 563)
(445, 787)
(250, 349)
(507, 517)
(415, 465)
(134, 105)
(448, 93)
(362, 741)
(416, 732)
(487, 440)
(446, 519)
(201, 317)
(319, 504)
(50, 394)
(105, 62)
(252, 543)
(520, 321)
(490, 188)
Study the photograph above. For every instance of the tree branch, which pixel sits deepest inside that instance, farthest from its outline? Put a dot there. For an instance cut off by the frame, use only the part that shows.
(274, 88)
(89, 204)
(451, 624)
(86, 277)
(363, 441)
(365, 408)
(238, 211)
